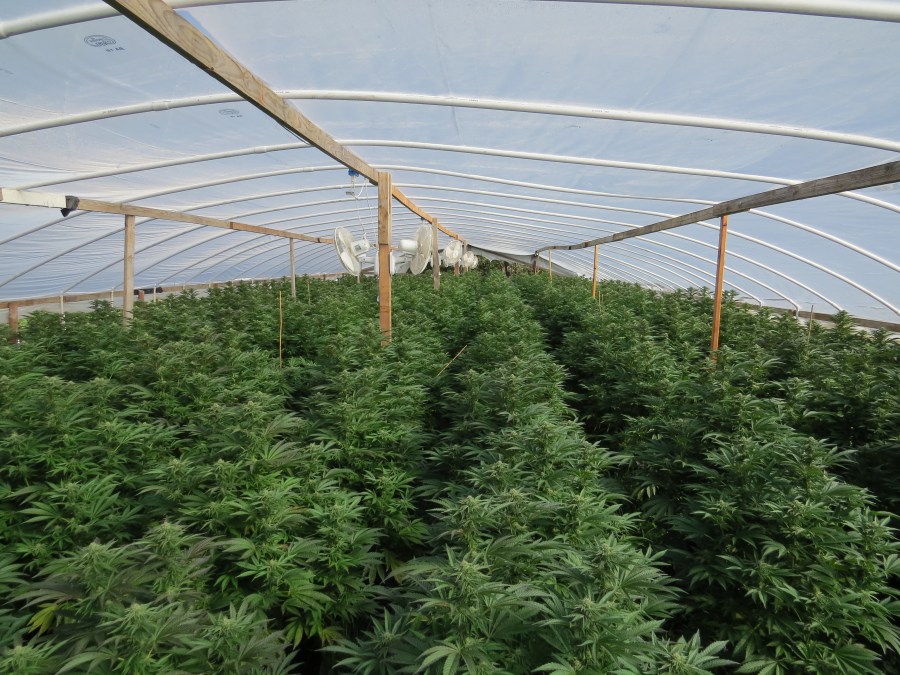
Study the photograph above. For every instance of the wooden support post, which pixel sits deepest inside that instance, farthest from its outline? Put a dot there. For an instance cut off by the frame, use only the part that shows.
(720, 275)
(141, 295)
(594, 286)
(12, 319)
(550, 264)
(435, 255)
(293, 271)
(384, 254)
(128, 281)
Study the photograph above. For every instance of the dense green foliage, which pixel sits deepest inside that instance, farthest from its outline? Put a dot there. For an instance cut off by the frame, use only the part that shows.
(173, 500)
(736, 466)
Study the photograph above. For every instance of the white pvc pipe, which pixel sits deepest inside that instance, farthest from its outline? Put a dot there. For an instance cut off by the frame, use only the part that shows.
(870, 10)
(449, 148)
(505, 105)
(66, 17)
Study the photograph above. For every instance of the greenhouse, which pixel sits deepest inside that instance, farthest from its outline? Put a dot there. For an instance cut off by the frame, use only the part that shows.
(461, 336)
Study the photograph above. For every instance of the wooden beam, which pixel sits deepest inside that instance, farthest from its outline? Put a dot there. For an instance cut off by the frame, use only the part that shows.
(717, 298)
(820, 187)
(128, 272)
(594, 283)
(293, 270)
(22, 197)
(12, 318)
(384, 254)
(164, 23)
(550, 264)
(435, 255)
(158, 19)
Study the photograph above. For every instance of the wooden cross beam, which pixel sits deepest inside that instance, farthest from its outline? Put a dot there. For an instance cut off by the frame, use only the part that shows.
(853, 180)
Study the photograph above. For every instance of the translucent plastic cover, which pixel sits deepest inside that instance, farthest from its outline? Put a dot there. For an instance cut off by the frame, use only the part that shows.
(517, 123)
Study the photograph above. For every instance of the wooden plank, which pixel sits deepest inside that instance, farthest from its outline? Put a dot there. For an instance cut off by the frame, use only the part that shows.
(143, 211)
(12, 319)
(293, 270)
(158, 19)
(128, 272)
(83, 204)
(51, 200)
(435, 255)
(717, 297)
(594, 283)
(820, 187)
(384, 254)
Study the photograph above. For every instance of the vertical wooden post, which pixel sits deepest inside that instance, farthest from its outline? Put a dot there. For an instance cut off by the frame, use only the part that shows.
(12, 319)
(384, 254)
(550, 264)
(720, 275)
(456, 265)
(435, 255)
(142, 295)
(280, 330)
(293, 271)
(594, 286)
(128, 283)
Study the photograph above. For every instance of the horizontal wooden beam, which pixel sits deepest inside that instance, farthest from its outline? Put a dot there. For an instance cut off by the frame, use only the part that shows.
(164, 23)
(820, 187)
(60, 201)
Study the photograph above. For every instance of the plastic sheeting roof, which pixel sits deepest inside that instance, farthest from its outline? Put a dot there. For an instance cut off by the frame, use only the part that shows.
(517, 123)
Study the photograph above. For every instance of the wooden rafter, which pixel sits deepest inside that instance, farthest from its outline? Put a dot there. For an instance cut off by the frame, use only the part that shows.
(853, 180)
(164, 23)
(58, 201)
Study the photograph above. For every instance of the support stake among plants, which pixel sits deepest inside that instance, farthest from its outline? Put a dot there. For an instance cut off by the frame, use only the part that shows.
(280, 330)
(293, 271)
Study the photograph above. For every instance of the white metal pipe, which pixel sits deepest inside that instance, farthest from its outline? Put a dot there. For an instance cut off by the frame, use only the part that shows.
(869, 10)
(73, 15)
(505, 105)
(565, 159)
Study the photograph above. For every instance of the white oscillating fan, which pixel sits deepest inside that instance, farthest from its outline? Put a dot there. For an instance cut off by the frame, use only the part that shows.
(422, 256)
(452, 252)
(399, 263)
(348, 250)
